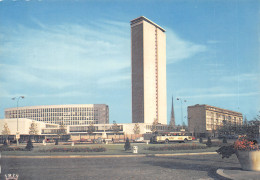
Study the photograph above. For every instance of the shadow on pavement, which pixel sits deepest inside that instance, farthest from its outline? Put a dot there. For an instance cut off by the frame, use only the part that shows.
(184, 163)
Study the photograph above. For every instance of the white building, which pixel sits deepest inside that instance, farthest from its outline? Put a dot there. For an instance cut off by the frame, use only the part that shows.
(76, 114)
(24, 125)
(148, 42)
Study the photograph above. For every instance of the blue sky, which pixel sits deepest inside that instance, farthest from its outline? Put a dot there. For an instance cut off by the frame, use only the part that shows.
(78, 52)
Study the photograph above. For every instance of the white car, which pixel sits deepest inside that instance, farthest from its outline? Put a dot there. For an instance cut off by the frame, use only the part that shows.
(140, 139)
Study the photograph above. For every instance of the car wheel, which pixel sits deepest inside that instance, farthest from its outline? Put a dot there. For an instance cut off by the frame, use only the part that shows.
(166, 141)
(185, 140)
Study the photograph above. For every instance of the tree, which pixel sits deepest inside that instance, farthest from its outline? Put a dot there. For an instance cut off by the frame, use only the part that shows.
(245, 121)
(127, 145)
(61, 131)
(224, 140)
(5, 144)
(184, 126)
(136, 129)
(91, 128)
(29, 145)
(209, 143)
(257, 118)
(154, 125)
(6, 131)
(115, 127)
(33, 129)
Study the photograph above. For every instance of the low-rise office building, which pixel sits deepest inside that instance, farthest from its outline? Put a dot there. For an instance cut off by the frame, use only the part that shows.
(204, 120)
(26, 127)
(76, 114)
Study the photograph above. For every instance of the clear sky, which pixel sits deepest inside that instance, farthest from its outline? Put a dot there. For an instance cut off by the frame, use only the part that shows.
(79, 52)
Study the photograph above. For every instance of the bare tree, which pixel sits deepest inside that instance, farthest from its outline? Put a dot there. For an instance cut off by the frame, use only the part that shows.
(136, 129)
(91, 128)
(33, 130)
(115, 127)
(6, 131)
(62, 130)
(154, 125)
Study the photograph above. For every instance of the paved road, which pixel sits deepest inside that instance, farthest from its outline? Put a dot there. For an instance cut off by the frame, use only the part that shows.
(180, 167)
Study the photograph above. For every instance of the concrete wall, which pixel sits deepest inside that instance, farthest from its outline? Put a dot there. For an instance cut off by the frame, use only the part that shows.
(197, 119)
(162, 90)
(150, 105)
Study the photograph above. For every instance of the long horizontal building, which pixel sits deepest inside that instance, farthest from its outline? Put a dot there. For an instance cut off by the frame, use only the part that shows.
(205, 119)
(77, 114)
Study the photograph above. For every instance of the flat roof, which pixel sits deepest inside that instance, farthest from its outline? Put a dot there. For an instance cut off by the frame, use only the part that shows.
(56, 106)
(142, 18)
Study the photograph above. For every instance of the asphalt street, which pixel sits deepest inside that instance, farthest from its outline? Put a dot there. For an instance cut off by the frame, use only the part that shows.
(176, 167)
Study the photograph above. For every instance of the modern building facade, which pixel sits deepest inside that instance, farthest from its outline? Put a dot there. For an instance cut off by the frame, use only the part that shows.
(148, 53)
(77, 114)
(205, 119)
(24, 126)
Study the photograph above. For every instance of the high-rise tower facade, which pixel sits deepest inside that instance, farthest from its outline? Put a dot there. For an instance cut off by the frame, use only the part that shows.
(148, 43)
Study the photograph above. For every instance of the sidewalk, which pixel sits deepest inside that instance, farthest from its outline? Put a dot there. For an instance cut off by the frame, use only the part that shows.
(239, 174)
(108, 156)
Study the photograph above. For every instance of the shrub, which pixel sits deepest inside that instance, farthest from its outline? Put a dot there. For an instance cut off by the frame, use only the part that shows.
(29, 145)
(127, 145)
(226, 151)
(56, 142)
(86, 149)
(224, 140)
(5, 148)
(176, 147)
(209, 143)
(5, 143)
(242, 144)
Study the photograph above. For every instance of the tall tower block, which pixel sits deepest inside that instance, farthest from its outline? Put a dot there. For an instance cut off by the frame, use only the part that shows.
(148, 43)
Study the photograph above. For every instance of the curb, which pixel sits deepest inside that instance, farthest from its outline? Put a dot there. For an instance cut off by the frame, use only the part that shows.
(112, 156)
(221, 173)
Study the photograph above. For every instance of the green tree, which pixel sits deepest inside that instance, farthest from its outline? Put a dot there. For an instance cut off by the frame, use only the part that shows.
(127, 145)
(29, 145)
(209, 143)
(136, 129)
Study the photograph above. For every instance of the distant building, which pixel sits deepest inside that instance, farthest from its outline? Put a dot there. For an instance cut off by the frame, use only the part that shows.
(205, 119)
(77, 114)
(148, 42)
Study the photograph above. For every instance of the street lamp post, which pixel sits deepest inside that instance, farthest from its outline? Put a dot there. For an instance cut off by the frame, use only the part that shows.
(17, 101)
(179, 99)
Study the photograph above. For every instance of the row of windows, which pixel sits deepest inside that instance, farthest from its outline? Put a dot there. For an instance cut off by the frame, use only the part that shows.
(55, 110)
(222, 112)
(72, 122)
(53, 114)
